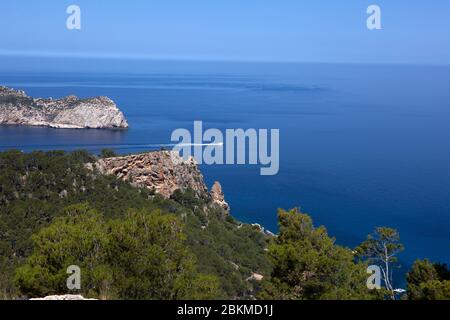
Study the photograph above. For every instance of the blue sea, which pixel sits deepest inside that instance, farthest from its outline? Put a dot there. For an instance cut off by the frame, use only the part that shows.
(361, 146)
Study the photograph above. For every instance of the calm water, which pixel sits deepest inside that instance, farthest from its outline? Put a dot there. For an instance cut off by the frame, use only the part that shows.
(361, 146)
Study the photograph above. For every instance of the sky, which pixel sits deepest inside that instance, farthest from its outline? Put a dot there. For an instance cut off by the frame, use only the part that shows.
(413, 32)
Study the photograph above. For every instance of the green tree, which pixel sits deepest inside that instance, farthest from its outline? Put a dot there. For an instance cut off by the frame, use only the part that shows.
(77, 238)
(427, 281)
(142, 256)
(108, 153)
(381, 248)
(309, 265)
(151, 261)
(36, 186)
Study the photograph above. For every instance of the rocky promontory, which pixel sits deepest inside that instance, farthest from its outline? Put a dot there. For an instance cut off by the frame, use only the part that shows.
(71, 112)
(164, 172)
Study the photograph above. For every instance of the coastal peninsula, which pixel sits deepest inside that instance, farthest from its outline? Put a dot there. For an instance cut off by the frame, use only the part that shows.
(17, 108)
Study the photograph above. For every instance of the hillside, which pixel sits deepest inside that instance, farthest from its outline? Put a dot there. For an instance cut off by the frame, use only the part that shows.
(35, 188)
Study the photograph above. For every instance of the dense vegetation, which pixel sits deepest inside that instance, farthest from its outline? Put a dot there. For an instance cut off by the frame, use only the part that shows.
(36, 188)
(427, 281)
(140, 256)
(55, 211)
(309, 265)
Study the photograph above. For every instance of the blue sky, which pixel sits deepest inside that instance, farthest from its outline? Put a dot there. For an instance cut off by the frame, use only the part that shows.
(254, 30)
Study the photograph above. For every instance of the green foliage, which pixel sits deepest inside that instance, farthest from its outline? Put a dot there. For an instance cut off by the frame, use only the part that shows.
(381, 248)
(383, 243)
(240, 248)
(141, 256)
(133, 244)
(77, 238)
(153, 261)
(427, 281)
(187, 199)
(309, 265)
(36, 187)
(108, 153)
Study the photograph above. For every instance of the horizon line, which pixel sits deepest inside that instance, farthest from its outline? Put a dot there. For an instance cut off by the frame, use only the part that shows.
(125, 56)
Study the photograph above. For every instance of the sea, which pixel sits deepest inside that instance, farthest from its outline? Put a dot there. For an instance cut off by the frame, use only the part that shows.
(361, 146)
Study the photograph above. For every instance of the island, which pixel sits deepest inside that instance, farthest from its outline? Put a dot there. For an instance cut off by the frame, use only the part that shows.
(17, 108)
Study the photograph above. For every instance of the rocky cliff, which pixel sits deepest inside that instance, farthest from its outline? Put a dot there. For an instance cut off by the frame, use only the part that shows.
(70, 112)
(164, 172)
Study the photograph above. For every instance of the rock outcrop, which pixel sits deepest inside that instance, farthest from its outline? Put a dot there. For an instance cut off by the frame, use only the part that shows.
(255, 276)
(218, 197)
(263, 230)
(70, 112)
(164, 172)
(63, 297)
(160, 171)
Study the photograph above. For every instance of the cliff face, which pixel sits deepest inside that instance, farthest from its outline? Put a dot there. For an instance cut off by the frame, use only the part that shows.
(164, 172)
(157, 171)
(70, 112)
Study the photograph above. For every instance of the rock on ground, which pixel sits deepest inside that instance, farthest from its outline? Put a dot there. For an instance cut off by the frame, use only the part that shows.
(63, 297)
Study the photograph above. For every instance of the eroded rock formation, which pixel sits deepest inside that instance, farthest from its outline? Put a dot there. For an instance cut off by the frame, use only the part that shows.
(164, 172)
(70, 112)
(218, 197)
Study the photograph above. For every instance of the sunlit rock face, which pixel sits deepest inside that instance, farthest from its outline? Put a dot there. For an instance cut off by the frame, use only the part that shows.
(218, 196)
(163, 172)
(71, 112)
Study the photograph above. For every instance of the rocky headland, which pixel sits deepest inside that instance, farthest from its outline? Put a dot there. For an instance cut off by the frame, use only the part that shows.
(16, 108)
(163, 172)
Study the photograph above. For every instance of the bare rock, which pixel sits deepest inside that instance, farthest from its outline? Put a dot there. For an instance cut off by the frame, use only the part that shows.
(256, 277)
(218, 197)
(162, 171)
(63, 297)
(70, 112)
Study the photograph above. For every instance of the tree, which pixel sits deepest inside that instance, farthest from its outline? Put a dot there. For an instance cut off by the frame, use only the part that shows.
(151, 260)
(142, 256)
(381, 248)
(427, 281)
(309, 265)
(35, 188)
(108, 153)
(77, 238)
